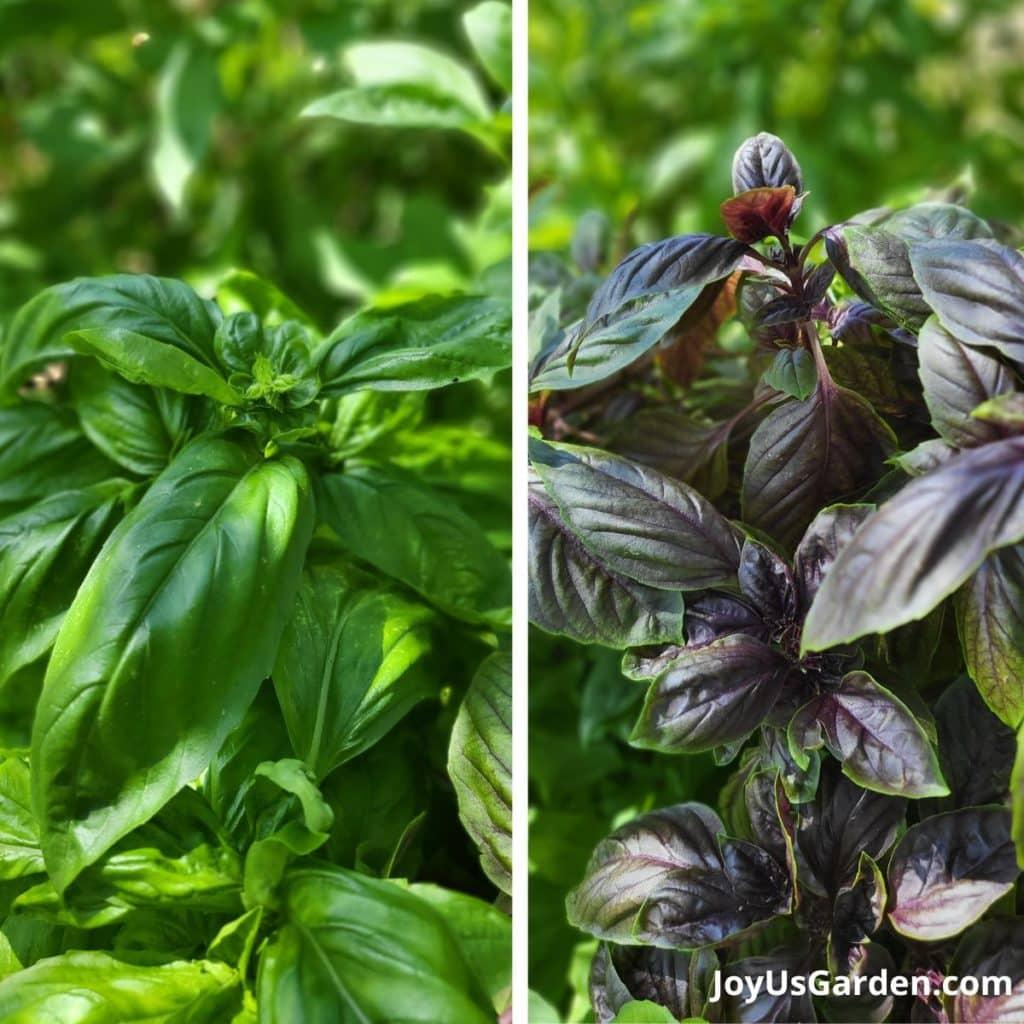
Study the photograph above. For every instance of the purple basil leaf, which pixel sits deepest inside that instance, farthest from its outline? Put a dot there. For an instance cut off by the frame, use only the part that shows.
(643, 663)
(948, 870)
(767, 1005)
(915, 550)
(670, 442)
(992, 949)
(869, 960)
(760, 213)
(880, 743)
(927, 221)
(957, 379)
(764, 161)
(688, 262)
(587, 355)
(621, 974)
(767, 583)
(817, 282)
(990, 619)
(829, 532)
(876, 265)
(976, 750)
(713, 615)
(857, 913)
(782, 310)
(711, 696)
(668, 879)
(574, 593)
(767, 814)
(977, 290)
(656, 530)
(808, 454)
(842, 822)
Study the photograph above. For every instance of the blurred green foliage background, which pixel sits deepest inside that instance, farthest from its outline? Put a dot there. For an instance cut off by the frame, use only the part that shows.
(637, 106)
(165, 136)
(636, 109)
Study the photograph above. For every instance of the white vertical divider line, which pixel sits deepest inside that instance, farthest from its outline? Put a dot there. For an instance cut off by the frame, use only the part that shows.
(520, 312)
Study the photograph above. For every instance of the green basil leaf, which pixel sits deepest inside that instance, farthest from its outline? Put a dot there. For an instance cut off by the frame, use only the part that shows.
(489, 27)
(426, 344)
(990, 619)
(349, 665)
(40, 444)
(45, 552)
(977, 290)
(353, 948)
(793, 373)
(643, 1012)
(165, 645)
(96, 988)
(658, 531)
(881, 745)
(415, 535)
(20, 854)
(805, 455)
(948, 870)
(483, 932)
(407, 85)
(480, 766)
(910, 555)
(576, 594)
(144, 360)
(711, 695)
(137, 427)
(167, 311)
(187, 99)
(670, 879)
(956, 380)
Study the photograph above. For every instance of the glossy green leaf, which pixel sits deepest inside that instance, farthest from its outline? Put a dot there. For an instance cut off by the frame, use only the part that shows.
(655, 530)
(406, 85)
(19, 835)
(143, 360)
(483, 931)
(489, 27)
(165, 645)
(416, 535)
(643, 1012)
(990, 619)
(426, 344)
(910, 554)
(349, 664)
(96, 988)
(187, 99)
(805, 455)
(948, 870)
(576, 594)
(40, 444)
(480, 766)
(162, 309)
(793, 373)
(353, 949)
(45, 552)
(137, 427)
